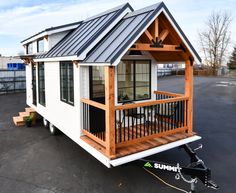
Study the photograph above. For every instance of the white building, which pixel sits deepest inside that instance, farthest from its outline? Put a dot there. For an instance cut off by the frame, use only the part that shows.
(4, 60)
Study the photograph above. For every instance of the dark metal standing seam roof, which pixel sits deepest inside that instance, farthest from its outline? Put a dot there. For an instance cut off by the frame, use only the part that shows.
(87, 32)
(120, 38)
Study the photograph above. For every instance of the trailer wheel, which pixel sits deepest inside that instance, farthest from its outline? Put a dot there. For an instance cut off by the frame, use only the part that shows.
(52, 129)
(45, 123)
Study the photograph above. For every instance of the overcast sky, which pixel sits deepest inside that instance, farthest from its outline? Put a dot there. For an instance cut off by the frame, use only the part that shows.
(22, 18)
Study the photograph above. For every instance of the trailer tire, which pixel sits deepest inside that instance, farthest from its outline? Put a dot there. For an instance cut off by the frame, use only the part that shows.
(52, 129)
(45, 123)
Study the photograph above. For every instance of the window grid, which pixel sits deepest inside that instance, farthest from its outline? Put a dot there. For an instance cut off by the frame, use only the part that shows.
(29, 48)
(41, 83)
(134, 80)
(67, 82)
(40, 45)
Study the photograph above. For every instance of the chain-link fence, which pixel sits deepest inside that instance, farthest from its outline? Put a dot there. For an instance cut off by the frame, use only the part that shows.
(12, 81)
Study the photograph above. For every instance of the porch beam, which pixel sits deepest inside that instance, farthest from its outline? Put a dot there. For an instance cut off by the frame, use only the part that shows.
(149, 47)
(149, 36)
(163, 35)
(156, 28)
(189, 93)
(110, 110)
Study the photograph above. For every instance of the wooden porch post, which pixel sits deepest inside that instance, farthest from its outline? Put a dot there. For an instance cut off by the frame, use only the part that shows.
(110, 110)
(189, 93)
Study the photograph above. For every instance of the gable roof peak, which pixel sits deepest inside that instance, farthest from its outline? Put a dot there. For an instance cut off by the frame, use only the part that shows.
(109, 11)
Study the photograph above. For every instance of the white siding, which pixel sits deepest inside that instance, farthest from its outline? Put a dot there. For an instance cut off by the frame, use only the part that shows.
(64, 116)
(28, 74)
(53, 39)
(84, 81)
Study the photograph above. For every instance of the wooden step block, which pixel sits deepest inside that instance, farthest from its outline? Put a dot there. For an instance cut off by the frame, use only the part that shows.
(29, 109)
(24, 114)
(18, 121)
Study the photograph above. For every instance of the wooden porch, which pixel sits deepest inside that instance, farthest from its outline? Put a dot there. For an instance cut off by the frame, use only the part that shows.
(164, 120)
(136, 147)
(131, 128)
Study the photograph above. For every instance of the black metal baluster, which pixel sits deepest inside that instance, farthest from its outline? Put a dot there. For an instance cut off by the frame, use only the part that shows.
(151, 123)
(166, 117)
(85, 116)
(128, 122)
(140, 119)
(169, 117)
(120, 126)
(182, 113)
(155, 118)
(179, 113)
(124, 123)
(172, 107)
(140, 126)
(132, 124)
(162, 122)
(147, 127)
(116, 127)
(136, 126)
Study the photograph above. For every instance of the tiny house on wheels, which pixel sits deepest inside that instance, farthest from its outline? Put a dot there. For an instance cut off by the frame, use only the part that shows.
(96, 81)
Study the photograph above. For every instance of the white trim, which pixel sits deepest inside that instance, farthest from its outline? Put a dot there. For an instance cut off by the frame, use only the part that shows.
(83, 55)
(183, 39)
(99, 156)
(56, 59)
(94, 64)
(40, 35)
(149, 152)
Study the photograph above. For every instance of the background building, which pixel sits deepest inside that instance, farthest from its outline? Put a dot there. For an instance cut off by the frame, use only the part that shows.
(9, 62)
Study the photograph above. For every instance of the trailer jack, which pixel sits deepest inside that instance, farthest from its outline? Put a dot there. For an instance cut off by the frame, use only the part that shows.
(196, 169)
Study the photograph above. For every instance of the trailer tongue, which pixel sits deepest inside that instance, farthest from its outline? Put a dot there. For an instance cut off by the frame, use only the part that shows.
(196, 169)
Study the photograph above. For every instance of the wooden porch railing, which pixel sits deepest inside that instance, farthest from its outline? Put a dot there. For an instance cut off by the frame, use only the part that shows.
(94, 132)
(139, 122)
(143, 121)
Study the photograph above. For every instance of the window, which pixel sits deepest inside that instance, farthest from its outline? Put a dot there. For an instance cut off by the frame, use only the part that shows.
(29, 48)
(67, 82)
(40, 45)
(97, 89)
(134, 80)
(41, 83)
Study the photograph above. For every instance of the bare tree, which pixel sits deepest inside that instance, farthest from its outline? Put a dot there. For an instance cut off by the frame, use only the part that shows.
(214, 40)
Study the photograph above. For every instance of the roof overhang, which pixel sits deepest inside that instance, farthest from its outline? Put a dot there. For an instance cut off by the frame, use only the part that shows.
(48, 32)
(27, 58)
(57, 59)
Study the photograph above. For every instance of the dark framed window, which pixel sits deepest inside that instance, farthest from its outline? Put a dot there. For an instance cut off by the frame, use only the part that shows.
(29, 48)
(41, 83)
(67, 82)
(134, 80)
(40, 45)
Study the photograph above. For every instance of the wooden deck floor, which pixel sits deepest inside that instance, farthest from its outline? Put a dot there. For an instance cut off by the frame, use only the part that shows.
(138, 146)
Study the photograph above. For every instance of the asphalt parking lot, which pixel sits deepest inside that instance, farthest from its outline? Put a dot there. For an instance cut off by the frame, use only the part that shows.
(33, 161)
